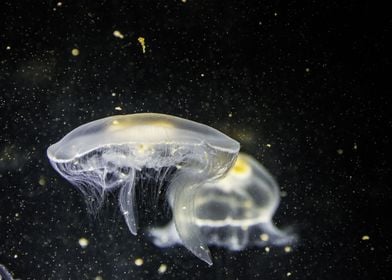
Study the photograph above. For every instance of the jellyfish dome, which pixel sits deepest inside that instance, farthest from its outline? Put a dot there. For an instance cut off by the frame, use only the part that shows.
(120, 152)
(234, 211)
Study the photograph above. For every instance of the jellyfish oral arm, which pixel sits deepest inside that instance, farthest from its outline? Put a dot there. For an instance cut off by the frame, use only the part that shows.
(183, 214)
(4, 274)
(127, 202)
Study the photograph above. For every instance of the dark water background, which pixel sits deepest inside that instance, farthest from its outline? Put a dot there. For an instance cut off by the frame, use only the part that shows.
(302, 85)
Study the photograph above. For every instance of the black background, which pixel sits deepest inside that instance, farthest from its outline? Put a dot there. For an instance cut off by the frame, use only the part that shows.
(302, 85)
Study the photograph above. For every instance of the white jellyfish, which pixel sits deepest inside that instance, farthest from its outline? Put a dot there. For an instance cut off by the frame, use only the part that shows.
(234, 211)
(119, 152)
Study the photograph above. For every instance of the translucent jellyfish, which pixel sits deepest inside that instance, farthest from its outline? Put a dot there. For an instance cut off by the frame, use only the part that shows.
(121, 152)
(234, 211)
(4, 273)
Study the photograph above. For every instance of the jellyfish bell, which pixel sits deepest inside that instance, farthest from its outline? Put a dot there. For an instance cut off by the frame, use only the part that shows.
(235, 211)
(119, 151)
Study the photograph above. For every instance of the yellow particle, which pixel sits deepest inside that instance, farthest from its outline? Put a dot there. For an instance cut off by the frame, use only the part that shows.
(264, 237)
(83, 242)
(42, 181)
(115, 122)
(162, 268)
(288, 249)
(118, 34)
(139, 262)
(366, 237)
(142, 42)
(75, 52)
(98, 277)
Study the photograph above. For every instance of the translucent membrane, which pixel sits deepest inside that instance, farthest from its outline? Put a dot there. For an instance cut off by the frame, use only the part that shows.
(234, 211)
(4, 273)
(119, 152)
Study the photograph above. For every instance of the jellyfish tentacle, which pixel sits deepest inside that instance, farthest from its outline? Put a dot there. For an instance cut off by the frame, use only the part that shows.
(183, 214)
(128, 202)
(4, 273)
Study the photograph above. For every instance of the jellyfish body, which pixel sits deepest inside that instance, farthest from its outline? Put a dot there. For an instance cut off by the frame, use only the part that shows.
(119, 151)
(234, 211)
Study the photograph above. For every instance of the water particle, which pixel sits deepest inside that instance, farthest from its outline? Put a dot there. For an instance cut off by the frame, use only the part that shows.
(162, 268)
(75, 52)
(83, 242)
(366, 237)
(142, 42)
(118, 34)
(288, 249)
(264, 237)
(139, 261)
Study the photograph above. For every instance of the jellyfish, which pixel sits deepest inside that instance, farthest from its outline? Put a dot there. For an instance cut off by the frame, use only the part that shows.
(234, 211)
(4, 273)
(122, 152)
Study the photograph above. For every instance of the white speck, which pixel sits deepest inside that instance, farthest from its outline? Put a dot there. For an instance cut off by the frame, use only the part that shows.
(139, 261)
(118, 108)
(264, 237)
(15, 256)
(288, 274)
(307, 70)
(8, 48)
(366, 237)
(269, 145)
(75, 52)
(83, 242)
(288, 249)
(162, 268)
(267, 249)
(59, 4)
(118, 34)
(339, 151)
